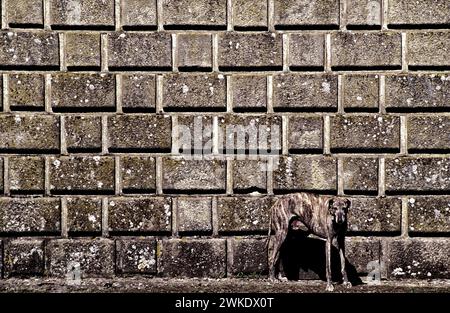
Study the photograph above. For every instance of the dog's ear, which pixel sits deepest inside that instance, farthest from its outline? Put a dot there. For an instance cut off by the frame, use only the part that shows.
(330, 206)
(348, 203)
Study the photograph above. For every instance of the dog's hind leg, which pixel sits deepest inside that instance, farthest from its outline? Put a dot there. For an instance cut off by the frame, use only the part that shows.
(275, 243)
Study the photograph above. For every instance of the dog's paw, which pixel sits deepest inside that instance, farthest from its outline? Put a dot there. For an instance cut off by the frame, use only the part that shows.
(330, 287)
(347, 284)
(282, 278)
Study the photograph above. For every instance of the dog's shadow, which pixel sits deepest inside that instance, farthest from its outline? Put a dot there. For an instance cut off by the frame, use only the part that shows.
(303, 257)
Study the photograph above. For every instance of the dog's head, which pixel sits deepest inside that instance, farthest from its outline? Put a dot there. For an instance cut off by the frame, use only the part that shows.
(338, 209)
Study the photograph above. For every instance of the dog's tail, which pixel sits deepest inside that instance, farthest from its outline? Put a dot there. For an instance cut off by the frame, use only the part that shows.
(270, 222)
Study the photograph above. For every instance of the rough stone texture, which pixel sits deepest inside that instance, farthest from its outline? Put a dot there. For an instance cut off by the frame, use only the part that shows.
(301, 14)
(193, 258)
(82, 14)
(410, 174)
(250, 15)
(138, 93)
(249, 93)
(93, 257)
(194, 92)
(81, 174)
(26, 92)
(361, 93)
(83, 133)
(305, 134)
(249, 175)
(34, 50)
(138, 174)
(244, 214)
(248, 256)
(84, 215)
(429, 215)
(194, 214)
(24, 257)
(25, 215)
(140, 215)
(83, 50)
(306, 51)
(359, 251)
(375, 215)
(139, 50)
(418, 92)
(369, 133)
(428, 133)
(26, 175)
(425, 258)
(241, 51)
(404, 13)
(194, 14)
(139, 132)
(305, 173)
(360, 175)
(195, 134)
(136, 256)
(83, 92)
(179, 174)
(138, 14)
(25, 13)
(364, 14)
(366, 50)
(194, 51)
(429, 49)
(305, 92)
(29, 133)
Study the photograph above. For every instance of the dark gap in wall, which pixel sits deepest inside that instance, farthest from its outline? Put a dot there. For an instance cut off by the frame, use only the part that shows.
(82, 192)
(407, 192)
(83, 68)
(361, 110)
(140, 27)
(84, 150)
(195, 69)
(138, 110)
(366, 68)
(434, 151)
(363, 27)
(244, 232)
(194, 27)
(305, 151)
(250, 68)
(232, 152)
(26, 25)
(26, 192)
(429, 234)
(5, 67)
(138, 191)
(361, 192)
(305, 109)
(195, 233)
(141, 68)
(250, 28)
(417, 109)
(365, 150)
(139, 150)
(429, 67)
(249, 190)
(28, 108)
(307, 27)
(419, 26)
(194, 191)
(190, 152)
(84, 234)
(82, 27)
(139, 233)
(195, 109)
(30, 234)
(306, 68)
(29, 151)
(250, 110)
(82, 109)
(320, 192)
(373, 233)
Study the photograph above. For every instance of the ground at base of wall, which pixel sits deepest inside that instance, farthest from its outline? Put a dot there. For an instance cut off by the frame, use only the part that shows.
(149, 285)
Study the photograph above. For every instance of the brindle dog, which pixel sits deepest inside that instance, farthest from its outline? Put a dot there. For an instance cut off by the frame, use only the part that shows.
(323, 216)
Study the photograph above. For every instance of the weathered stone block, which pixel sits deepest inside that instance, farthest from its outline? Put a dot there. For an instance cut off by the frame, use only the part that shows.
(24, 257)
(83, 133)
(250, 15)
(305, 134)
(194, 214)
(29, 50)
(428, 49)
(26, 92)
(406, 14)
(187, 92)
(241, 51)
(82, 14)
(429, 214)
(92, 257)
(25, 215)
(143, 214)
(364, 14)
(360, 251)
(409, 174)
(306, 14)
(136, 256)
(249, 175)
(360, 175)
(306, 51)
(143, 51)
(195, 134)
(193, 258)
(294, 92)
(361, 93)
(138, 14)
(83, 92)
(138, 174)
(244, 214)
(193, 175)
(428, 133)
(82, 50)
(358, 51)
(423, 258)
(374, 215)
(84, 215)
(24, 13)
(144, 133)
(93, 175)
(29, 133)
(194, 52)
(138, 93)
(248, 256)
(195, 14)
(368, 133)
(305, 173)
(249, 93)
(418, 92)
(26, 175)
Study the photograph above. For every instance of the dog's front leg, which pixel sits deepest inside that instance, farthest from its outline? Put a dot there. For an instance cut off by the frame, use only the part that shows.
(328, 264)
(341, 245)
